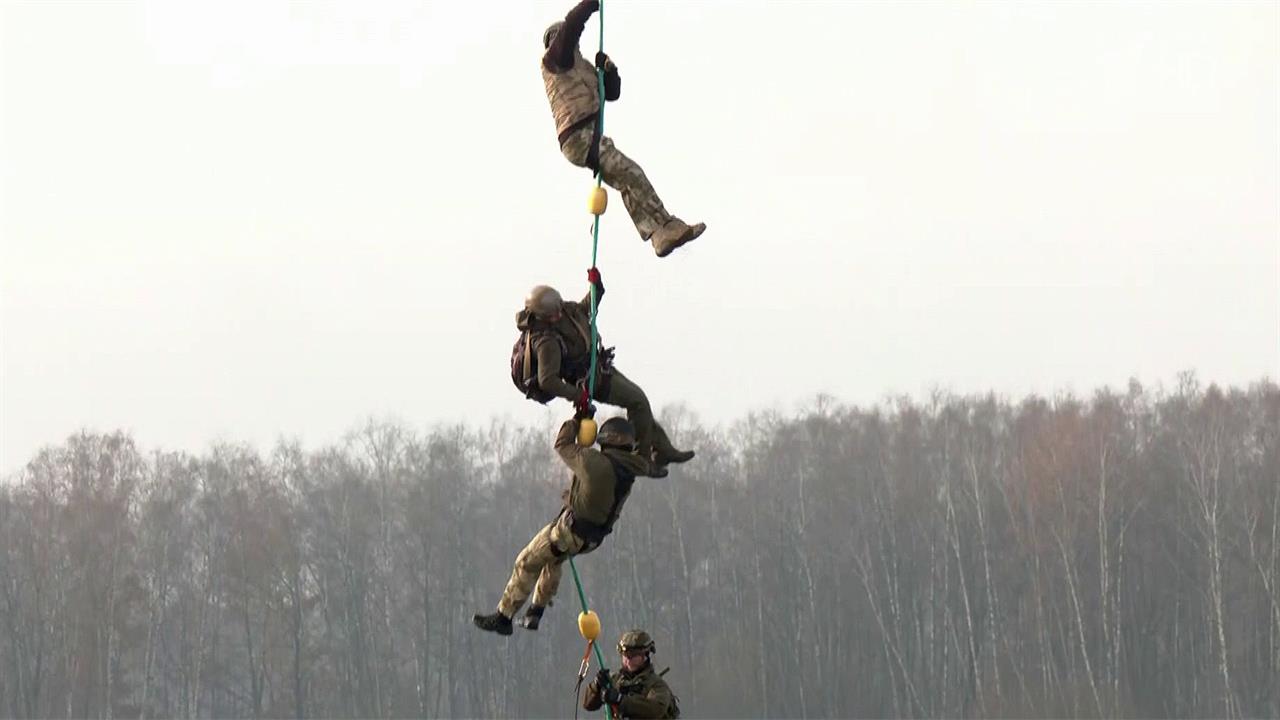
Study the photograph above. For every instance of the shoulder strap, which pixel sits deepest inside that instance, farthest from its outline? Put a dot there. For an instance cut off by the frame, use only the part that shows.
(582, 330)
(528, 353)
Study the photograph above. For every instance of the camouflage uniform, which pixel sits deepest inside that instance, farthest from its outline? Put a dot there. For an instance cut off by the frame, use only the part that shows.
(602, 480)
(572, 89)
(644, 695)
(563, 352)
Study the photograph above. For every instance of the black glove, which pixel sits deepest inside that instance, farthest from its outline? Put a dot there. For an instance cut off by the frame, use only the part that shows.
(613, 695)
(602, 60)
(602, 679)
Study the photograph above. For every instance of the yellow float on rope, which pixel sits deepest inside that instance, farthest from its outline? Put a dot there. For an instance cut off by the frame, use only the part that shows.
(586, 432)
(597, 201)
(589, 624)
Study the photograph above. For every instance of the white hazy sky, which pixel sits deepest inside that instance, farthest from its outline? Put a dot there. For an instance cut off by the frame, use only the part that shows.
(245, 220)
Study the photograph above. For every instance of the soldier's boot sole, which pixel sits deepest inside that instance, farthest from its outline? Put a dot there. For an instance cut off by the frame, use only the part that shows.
(673, 456)
(495, 622)
(664, 245)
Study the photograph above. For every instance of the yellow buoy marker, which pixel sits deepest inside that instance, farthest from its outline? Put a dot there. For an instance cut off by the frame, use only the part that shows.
(589, 624)
(597, 201)
(586, 432)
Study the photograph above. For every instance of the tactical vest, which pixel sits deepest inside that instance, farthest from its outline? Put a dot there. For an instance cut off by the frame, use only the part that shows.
(593, 533)
(573, 93)
(637, 684)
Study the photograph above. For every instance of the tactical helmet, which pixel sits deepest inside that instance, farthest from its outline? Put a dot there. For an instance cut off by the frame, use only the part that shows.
(617, 431)
(550, 33)
(633, 640)
(543, 301)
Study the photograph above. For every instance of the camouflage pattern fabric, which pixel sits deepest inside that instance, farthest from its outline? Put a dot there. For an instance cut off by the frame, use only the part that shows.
(622, 174)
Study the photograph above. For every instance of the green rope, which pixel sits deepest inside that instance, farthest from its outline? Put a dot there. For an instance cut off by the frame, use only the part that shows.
(591, 375)
(608, 712)
(595, 227)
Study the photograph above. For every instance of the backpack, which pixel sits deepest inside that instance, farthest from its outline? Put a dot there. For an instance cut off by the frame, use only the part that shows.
(524, 368)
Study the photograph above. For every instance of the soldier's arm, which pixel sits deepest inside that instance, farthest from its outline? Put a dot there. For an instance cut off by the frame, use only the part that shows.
(548, 354)
(564, 48)
(653, 703)
(567, 447)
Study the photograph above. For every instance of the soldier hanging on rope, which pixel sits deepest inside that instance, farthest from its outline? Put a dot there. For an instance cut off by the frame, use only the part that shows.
(602, 480)
(573, 92)
(552, 358)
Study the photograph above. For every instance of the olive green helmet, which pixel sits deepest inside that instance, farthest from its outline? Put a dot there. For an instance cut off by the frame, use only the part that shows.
(633, 640)
(543, 301)
(617, 432)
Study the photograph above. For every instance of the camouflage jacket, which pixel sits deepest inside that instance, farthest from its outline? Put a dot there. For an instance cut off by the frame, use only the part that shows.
(644, 695)
(570, 79)
(598, 492)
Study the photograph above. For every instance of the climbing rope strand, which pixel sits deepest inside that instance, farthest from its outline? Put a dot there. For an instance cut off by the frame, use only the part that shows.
(591, 374)
(583, 598)
(595, 227)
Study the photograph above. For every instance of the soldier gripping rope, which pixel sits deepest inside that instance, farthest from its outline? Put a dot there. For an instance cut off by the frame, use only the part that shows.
(573, 92)
(635, 691)
(552, 358)
(602, 480)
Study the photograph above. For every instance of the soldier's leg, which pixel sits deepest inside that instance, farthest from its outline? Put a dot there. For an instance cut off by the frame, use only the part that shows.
(651, 438)
(567, 544)
(661, 443)
(626, 394)
(529, 565)
(664, 452)
(641, 200)
(622, 174)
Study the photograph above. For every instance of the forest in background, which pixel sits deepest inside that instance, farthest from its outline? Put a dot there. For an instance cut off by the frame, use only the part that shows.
(1109, 556)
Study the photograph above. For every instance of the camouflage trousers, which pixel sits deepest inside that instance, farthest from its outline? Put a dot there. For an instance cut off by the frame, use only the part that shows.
(618, 390)
(539, 564)
(622, 174)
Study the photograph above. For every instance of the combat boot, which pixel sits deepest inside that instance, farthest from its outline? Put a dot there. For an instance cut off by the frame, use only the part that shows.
(672, 455)
(532, 617)
(496, 622)
(674, 234)
(655, 470)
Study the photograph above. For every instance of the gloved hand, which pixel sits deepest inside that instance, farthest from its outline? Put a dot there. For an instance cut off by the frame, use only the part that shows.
(613, 696)
(583, 404)
(602, 60)
(602, 678)
(587, 6)
(593, 275)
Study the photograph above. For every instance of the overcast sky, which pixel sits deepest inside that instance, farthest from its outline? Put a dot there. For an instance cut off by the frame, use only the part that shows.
(236, 221)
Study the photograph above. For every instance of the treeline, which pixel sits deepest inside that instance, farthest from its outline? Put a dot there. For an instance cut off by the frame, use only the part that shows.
(1115, 556)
